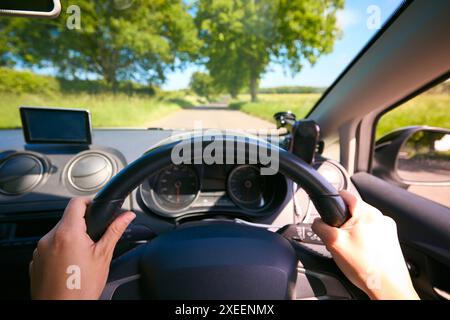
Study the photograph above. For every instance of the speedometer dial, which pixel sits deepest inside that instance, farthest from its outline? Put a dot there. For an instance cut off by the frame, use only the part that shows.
(248, 188)
(176, 187)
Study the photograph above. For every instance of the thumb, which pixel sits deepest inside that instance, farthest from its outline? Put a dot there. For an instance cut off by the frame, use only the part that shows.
(327, 233)
(115, 231)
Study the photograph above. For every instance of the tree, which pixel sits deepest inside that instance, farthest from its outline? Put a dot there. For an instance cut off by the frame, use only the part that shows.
(139, 43)
(202, 84)
(241, 37)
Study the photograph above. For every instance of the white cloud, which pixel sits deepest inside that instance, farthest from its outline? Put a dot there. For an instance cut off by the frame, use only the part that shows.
(347, 18)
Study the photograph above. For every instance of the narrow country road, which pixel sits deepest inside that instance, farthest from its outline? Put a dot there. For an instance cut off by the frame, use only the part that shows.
(216, 116)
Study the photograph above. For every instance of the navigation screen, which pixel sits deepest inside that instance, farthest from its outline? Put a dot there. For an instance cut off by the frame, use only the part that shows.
(51, 125)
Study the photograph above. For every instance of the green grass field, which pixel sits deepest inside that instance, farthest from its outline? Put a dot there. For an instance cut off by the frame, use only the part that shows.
(107, 110)
(426, 109)
(121, 110)
(269, 104)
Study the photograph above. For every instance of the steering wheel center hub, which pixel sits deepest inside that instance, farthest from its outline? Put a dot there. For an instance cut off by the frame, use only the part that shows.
(219, 260)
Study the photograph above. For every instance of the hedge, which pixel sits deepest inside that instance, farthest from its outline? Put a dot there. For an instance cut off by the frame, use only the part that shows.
(19, 82)
(27, 82)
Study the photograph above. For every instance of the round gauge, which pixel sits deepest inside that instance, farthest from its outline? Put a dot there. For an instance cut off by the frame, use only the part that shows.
(248, 188)
(333, 175)
(176, 187)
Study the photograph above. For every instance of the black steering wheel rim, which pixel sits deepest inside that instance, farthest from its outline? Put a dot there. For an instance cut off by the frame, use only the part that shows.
(108, 202)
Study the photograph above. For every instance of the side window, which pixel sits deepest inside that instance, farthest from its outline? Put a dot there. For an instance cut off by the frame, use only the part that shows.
(412, 147)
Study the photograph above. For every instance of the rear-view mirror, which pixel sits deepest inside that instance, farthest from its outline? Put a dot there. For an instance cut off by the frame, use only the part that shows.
(425, 157)
(414, 156)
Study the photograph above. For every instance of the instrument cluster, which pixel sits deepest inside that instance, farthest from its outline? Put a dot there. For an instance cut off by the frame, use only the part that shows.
(179, 190)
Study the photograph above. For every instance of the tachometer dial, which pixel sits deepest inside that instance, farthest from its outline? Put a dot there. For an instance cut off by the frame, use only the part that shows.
(248, 188)
(176, 187)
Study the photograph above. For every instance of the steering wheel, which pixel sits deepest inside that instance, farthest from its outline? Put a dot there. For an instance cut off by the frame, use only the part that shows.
(214, 259)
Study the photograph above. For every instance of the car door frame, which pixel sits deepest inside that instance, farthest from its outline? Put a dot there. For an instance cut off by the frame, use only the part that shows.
(350, 110)
(425, 242)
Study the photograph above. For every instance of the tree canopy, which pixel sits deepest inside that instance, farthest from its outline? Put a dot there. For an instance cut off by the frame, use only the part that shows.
(236, 40)
(140, 43)
(202, 84)
(241, 37)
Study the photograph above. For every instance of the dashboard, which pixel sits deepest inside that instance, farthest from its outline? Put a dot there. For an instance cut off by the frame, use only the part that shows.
(41, 178)
(37, 181)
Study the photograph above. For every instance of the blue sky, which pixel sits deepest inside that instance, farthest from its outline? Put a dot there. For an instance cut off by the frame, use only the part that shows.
(353, 22)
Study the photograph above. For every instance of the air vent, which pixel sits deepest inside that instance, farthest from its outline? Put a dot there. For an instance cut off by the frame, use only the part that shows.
(90, 171)
(20, 173)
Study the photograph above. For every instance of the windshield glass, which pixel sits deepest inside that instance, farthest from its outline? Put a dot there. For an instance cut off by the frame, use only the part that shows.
(178, 64)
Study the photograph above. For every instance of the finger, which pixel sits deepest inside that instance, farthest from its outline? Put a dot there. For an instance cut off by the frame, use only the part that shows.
(327, 233)
(75, 211)
(35, 254)
(30, 268)
(358, 208)
(115, 231)
(350, 199)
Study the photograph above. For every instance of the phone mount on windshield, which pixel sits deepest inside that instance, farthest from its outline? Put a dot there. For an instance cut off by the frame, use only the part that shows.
(304, 136)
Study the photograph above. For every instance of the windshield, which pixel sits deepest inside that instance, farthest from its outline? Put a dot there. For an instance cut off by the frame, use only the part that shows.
(177, 64)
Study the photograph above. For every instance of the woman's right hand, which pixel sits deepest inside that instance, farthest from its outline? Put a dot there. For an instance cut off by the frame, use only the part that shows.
(367, 250)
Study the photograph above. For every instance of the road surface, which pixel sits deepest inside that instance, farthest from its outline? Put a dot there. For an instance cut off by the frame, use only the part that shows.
(211, 117)
(427, 171)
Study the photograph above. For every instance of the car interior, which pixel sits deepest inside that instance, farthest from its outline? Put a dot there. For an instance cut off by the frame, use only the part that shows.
(198, 233)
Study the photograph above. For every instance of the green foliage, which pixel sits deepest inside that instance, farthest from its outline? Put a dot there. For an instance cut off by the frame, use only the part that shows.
(238, 39)
(202, 84)
(22, 82)
(241, 37)
(19, 82)
(100, 86)
(107, 109)
(269, 104)
(426, 109)
(139, 43)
